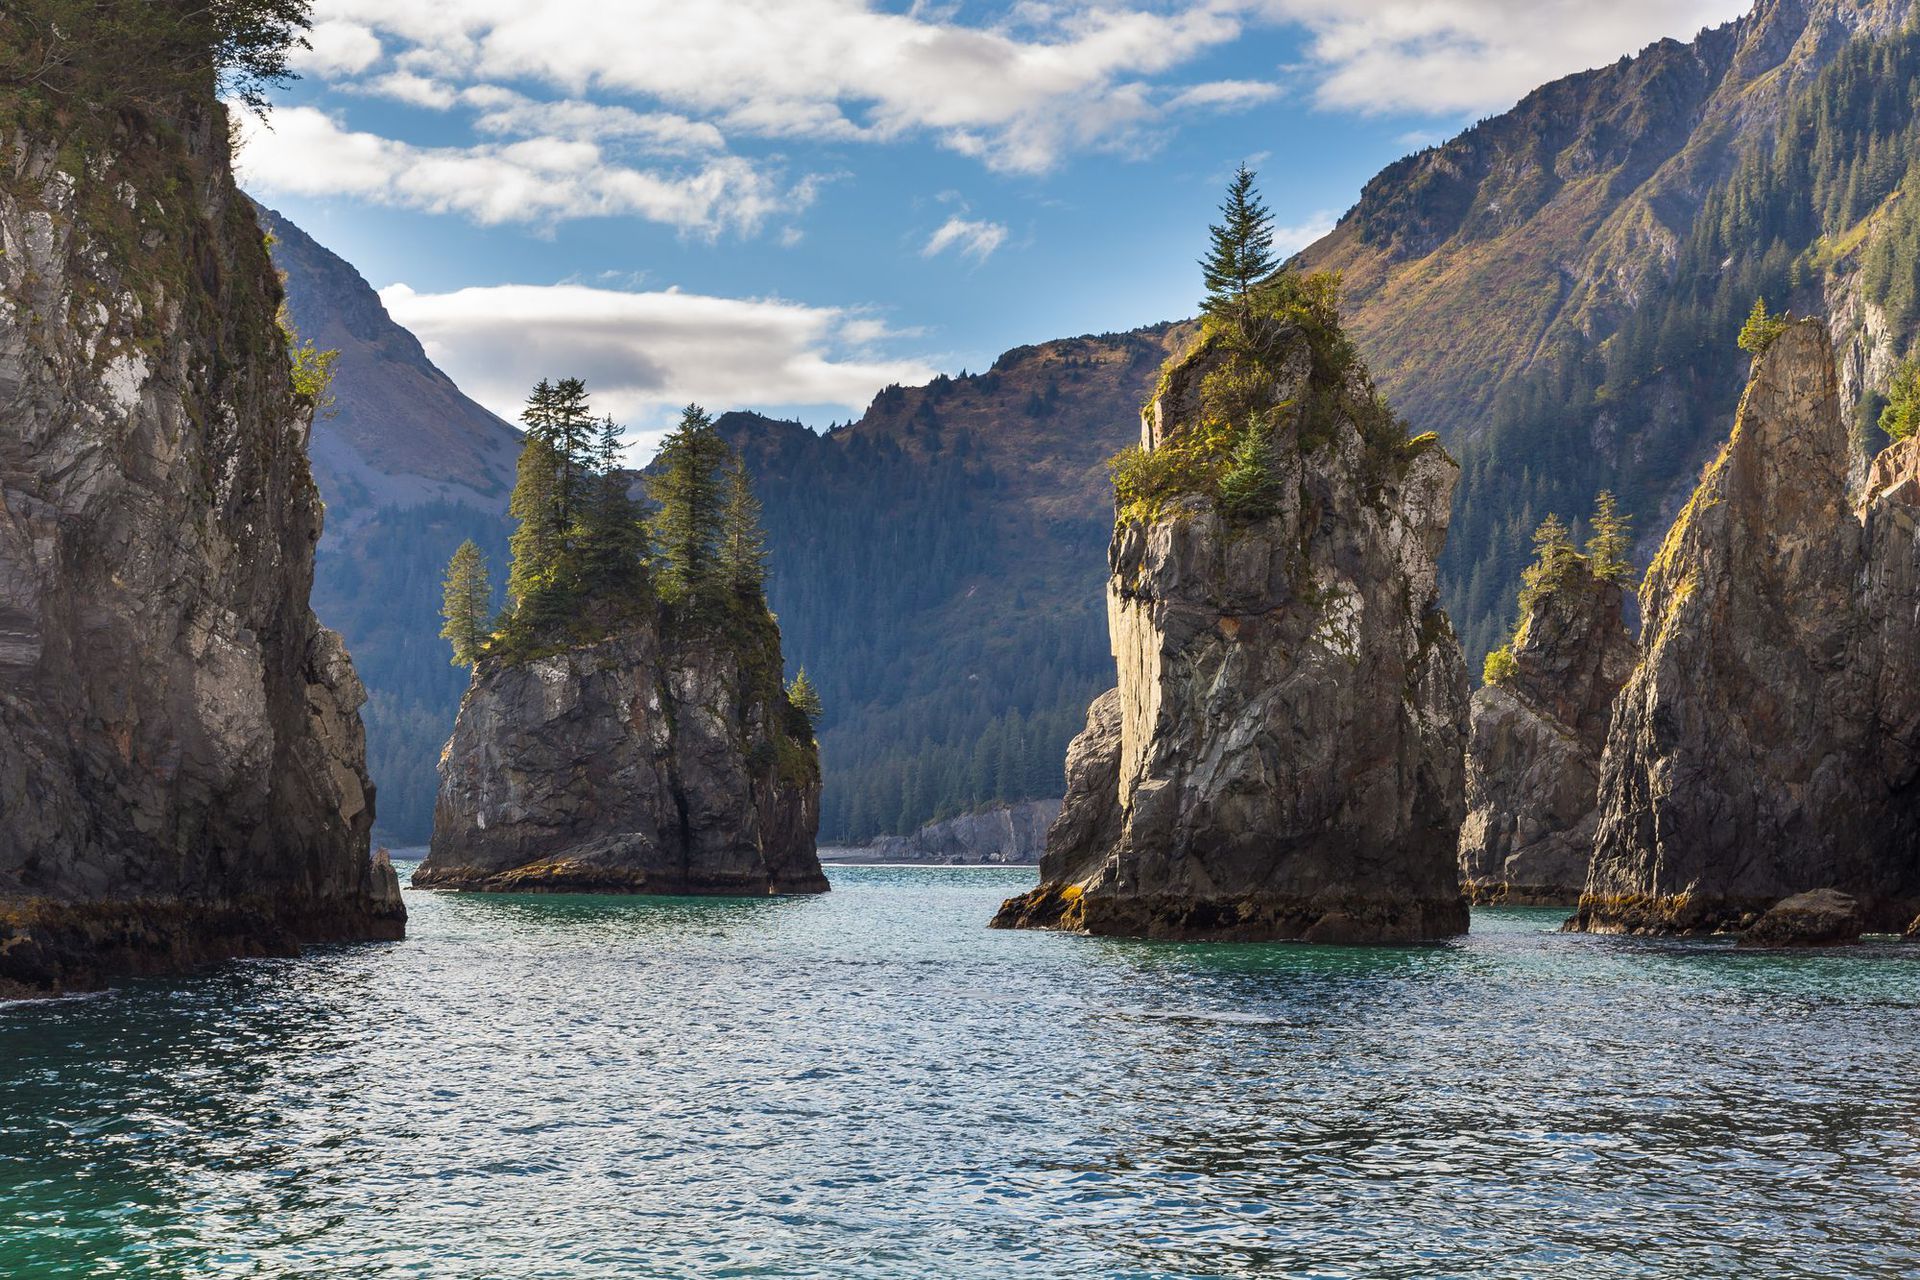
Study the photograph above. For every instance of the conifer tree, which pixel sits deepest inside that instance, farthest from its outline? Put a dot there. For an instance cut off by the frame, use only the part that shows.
(1902, 415)
(1241, 254)
(575, 438)
(1248, 489)
(687, 489)
(1552, 547)
(536, 543)
(1611, 540)
(612, 536)
(467, 598)
(743, 547)
(1762, 329)
(804, 698)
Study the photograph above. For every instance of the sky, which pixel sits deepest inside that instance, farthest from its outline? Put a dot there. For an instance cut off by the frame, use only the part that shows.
(785, 205)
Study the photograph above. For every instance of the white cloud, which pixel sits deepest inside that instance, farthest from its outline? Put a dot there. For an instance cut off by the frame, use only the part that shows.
(976, 240)
(540, 180)
(1288, 241)
(1225, 95)
(1460, 56)
(1048, 78)
(644, 355)
(338, 49)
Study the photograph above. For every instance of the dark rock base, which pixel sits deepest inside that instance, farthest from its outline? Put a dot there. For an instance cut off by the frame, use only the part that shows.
(1695, 916)
(57, 948)
(1252, 918)
(561, 875)
(1822, 918)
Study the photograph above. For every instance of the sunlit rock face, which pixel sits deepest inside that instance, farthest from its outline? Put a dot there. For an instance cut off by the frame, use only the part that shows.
(1282, 757)
(1766, 744)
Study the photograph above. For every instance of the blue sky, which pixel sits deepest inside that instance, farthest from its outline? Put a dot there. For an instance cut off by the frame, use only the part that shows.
(786, 204)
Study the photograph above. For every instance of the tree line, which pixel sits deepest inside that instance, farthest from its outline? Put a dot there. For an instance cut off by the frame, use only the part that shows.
(586, 556)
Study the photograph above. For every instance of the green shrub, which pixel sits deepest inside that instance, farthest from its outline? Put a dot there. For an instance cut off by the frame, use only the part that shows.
(1501, 666)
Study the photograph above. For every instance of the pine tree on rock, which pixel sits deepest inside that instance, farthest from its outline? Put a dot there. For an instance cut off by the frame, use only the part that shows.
(688, 491)
(612, 537)
(1241, 255)
(804, 698)
(743, 547)
(1248, 488)
(467, 600)
(1611, 540)
(536, 542)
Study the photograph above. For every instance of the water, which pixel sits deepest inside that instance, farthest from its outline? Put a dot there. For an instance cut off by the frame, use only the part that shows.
(871, 1084)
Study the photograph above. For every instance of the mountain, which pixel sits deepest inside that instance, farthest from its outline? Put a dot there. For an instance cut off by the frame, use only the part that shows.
(408, 467)
(1557, 289)
(937, 568)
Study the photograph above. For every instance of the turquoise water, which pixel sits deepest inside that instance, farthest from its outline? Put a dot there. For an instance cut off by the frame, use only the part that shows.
(872, 1084)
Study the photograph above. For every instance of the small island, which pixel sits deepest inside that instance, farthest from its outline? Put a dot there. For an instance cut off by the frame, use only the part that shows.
(629, 728)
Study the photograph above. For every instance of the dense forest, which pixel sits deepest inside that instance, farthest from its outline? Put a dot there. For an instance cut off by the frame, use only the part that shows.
(1834, 191)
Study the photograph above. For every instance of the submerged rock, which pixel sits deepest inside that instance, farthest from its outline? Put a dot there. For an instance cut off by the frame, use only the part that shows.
(1533, 758)
(1822, 918)
(1282, 757)
(182, 762)
(663, 760)
(1766, 743)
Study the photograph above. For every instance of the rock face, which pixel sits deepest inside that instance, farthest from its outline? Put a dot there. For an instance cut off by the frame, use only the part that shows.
(1014, 833)
(647, 763)
(1822, 918)
(1282, 758)
(1533, 758)
(182, 764)
(1766, 744)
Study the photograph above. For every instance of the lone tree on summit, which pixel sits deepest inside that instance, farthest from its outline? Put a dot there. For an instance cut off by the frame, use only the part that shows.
(1242, 252)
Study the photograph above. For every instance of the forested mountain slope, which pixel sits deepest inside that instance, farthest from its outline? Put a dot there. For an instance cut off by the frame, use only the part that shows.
(937, 568)
(408, 467)
(1557, 289)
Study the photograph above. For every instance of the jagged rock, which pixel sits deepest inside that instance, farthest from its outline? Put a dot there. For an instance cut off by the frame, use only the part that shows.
(1766, 743)
(652, 762)
(1010, 833)
(1533, 757)
(182, 764)
(1282, 757)
(1822, 918)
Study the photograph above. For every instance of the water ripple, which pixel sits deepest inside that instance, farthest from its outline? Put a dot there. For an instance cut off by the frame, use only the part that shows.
(873, 1085)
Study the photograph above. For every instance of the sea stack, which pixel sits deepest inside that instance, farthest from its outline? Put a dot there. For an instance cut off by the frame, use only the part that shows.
(1282, 758)
(1539, 727)
(627, 729)
(645, 763)
(1765, 746)
(182, 763)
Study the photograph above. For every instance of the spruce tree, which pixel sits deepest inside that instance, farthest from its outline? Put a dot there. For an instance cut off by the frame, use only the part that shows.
(1248, 489)
(1241, 254)
(687, 489)
(743, 547)
(535, 544)
(1611, 540)
(804, 698)
(1762, 329)
(612, 537)
(467, 598)
(1902, 415)
(575, 437)
(1552, 546)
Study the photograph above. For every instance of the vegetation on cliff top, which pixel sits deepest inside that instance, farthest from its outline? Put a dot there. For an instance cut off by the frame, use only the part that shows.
(1250, 327)
(1554, 562)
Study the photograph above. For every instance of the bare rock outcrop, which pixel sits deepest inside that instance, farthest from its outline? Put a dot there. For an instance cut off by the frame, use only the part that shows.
(1011, 833)
(1533, 757)
(1768, 743)
(665, 759)
(182, 762)
(1282, 758)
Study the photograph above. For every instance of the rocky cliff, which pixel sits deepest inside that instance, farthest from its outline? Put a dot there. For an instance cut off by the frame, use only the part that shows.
(663, 760)
(1533, 757)
(1766, 744)
(1282, 757)
(181, 756)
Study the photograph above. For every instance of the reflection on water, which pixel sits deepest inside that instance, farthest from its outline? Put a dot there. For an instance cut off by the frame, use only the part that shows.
(872, 1084)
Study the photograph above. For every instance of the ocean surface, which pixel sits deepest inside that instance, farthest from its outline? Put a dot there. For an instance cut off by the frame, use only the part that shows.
(872, 1084)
